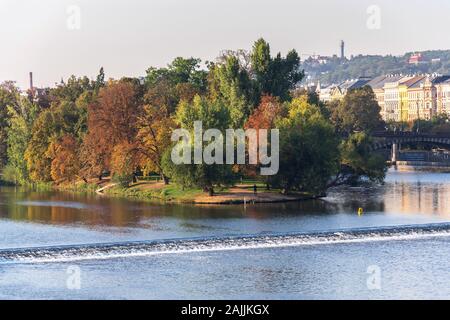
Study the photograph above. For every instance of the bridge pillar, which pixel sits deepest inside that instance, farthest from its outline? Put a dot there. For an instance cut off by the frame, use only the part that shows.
(394, 157)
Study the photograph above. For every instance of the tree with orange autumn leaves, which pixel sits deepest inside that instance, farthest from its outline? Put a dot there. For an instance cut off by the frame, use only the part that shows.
(111, 123)
(263, 117)
(125, 135)
(65, 165)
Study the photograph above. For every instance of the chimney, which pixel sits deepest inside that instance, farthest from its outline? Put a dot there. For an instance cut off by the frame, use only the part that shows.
(31, 86)
(31, 81)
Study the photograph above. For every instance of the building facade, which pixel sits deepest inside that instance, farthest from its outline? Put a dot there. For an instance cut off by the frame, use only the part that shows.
(401, 98)
(443, 96)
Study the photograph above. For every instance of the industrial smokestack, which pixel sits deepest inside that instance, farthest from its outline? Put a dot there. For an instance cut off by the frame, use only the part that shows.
(342, 49)
(31, 86)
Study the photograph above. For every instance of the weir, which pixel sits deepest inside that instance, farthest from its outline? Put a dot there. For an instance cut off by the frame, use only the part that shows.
(159, 247)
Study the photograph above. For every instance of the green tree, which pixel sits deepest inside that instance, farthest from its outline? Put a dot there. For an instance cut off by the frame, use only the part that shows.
(305, 164)
(38, 162)
(100, 80)
(71, 90)
(358, 111)
(153, 138)
(8, 97)
(20, 122)
(275, 76)
(213, 114)
(181, 70)
(231, 83)
(358, 160)
(261, 59)
(81, 107)
(180, 80)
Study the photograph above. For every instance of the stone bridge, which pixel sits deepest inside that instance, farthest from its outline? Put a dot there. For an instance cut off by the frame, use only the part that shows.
(386, 140)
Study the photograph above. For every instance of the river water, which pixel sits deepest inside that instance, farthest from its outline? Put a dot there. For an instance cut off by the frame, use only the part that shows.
(56, 245)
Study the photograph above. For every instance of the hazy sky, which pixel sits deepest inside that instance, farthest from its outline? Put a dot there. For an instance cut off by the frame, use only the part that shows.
(128, 36)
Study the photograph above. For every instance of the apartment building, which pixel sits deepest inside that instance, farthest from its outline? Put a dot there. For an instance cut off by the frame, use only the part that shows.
(401, 98)
(422, 99)
(443, 95)
(337, 92)
(396, 99)
(377, 84)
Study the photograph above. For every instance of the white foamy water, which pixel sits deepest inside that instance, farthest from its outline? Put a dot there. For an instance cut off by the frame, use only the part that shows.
(148, 248)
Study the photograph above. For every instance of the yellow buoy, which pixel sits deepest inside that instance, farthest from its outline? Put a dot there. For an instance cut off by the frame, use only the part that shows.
(360, 211)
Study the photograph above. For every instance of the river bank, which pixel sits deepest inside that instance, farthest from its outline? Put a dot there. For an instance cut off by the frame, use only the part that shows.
(158, 192)
(239, 194)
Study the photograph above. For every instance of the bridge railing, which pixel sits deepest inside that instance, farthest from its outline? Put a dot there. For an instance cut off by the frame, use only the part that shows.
(402, 134)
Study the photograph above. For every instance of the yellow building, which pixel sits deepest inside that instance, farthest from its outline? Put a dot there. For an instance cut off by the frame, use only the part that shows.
(403, 105)
(395, 98)
(407, 109)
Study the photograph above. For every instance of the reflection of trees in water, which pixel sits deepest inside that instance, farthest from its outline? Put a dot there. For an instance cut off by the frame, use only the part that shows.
(97, 211)
(399, 197)
(54, 208)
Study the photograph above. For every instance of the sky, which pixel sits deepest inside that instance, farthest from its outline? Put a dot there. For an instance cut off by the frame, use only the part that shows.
(57, 38)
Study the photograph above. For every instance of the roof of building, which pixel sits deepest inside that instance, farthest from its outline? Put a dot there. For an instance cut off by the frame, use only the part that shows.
(415, 82)
(380, 81)
(441, 79)
(354, 84)
(395, 81)
(433, 78)
(410, 81)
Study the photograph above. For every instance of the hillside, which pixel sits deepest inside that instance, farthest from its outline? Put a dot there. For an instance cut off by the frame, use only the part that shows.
(335, 70)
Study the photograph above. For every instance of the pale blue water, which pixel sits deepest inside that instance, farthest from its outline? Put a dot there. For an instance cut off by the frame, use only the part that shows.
(283, 251)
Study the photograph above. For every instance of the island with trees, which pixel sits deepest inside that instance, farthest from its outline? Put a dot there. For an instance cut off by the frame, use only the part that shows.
(114, 136)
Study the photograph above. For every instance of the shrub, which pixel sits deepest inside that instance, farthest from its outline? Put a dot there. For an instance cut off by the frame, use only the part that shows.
(123, 179)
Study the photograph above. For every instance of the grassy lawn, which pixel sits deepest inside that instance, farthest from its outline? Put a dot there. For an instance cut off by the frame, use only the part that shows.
(156, 192)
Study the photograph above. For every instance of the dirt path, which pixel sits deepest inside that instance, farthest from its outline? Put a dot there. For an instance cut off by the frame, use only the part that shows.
(244, 194)
(240, 194)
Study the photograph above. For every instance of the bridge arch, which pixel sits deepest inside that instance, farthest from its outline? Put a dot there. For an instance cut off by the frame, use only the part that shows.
(386, 141)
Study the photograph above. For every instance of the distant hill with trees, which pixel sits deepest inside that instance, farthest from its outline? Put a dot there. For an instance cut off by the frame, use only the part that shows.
(336, 70)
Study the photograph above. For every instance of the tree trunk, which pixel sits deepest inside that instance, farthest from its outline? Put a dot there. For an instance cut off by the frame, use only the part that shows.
(165, 179)
(210, 190)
